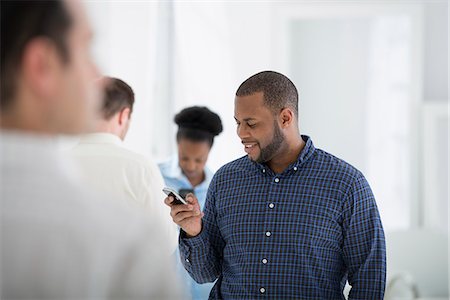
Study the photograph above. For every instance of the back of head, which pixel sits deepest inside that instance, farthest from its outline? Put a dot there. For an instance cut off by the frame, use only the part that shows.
(21, 22)
(199, 124)
(117, 96)
(279, 91)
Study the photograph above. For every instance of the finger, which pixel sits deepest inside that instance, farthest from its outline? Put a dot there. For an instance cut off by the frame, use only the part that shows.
(190, 198)
(168, 200)
(178, 208)
(180, 217)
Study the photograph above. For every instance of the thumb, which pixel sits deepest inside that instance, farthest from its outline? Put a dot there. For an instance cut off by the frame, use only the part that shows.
(191, 198)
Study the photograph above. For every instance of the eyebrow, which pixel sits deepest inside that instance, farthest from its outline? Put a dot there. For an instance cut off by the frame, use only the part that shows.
(246, 119)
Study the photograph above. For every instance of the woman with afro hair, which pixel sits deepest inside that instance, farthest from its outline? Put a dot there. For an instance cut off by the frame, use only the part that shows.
(187, 171)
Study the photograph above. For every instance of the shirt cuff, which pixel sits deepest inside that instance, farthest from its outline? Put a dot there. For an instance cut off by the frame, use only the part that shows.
(193, 242)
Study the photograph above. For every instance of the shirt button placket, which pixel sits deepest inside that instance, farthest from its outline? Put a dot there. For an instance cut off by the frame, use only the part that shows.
(264, 261)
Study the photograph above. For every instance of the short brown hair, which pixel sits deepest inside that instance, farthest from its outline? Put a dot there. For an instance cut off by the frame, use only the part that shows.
(117, 96)
(21, 22)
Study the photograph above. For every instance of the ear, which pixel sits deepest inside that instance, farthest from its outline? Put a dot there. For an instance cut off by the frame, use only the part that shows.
(286, 117)
(41, 66)
(124, 116)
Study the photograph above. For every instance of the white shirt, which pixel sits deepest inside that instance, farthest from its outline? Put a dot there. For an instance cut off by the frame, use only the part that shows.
(107, 166)
(58, 241)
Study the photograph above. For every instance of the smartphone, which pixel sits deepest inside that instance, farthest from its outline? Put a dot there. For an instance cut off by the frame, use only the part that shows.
(177, 198)
(183, 192)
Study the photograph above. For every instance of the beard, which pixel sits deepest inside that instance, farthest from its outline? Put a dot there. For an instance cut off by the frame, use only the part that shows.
(268, 152)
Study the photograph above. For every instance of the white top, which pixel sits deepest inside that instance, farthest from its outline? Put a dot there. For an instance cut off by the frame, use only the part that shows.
(59, 241)
(109, 167)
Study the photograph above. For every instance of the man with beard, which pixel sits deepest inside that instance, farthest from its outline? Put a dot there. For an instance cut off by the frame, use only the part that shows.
(286, 221)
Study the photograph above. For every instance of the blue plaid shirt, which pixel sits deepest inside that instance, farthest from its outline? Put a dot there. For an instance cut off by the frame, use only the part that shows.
(300, 234)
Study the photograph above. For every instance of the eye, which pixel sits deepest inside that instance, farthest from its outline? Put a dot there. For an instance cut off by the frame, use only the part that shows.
(251, 125)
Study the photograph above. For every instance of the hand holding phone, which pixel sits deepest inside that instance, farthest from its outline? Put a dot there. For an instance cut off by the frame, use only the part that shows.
(177, 198)
(187, 216)
(183, 192)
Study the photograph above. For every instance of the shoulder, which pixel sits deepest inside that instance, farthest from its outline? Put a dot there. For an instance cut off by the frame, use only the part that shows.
(132, 156)
(165, 166)
(107, 151)
(135, 160)
(232, 170)
(350, 181)
(236, 166)
(336, 167)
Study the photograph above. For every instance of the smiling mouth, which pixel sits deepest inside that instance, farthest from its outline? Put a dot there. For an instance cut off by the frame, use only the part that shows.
(190, 174)
(249, 147)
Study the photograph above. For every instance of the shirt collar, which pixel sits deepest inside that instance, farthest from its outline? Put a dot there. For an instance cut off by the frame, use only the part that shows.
(35, 151)
(174, 171)
(100, 138)
(307, 151)
(18, 145)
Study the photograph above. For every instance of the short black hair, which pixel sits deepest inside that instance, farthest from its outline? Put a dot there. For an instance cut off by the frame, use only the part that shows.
(279, 91)
(199, 124)
(21, 22)
(117, 96)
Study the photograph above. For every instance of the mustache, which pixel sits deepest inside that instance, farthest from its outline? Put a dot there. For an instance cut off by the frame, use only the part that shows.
(248, 141)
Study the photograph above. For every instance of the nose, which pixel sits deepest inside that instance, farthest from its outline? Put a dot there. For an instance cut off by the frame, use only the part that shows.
(190, 166)
(242, 131)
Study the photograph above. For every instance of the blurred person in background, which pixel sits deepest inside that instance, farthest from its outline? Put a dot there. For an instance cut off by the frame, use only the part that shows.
(187, 172)
(108, 166)
(59, 240)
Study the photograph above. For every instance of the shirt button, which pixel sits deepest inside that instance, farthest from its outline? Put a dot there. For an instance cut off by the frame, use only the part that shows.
(187, 260)
(264, 261)
(264, 170)
(268, 233)
(262, 290)
(271, 205)
(295, 168)
(277, 179)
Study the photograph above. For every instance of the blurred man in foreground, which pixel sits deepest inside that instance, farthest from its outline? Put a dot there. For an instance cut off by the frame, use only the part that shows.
(58, 241)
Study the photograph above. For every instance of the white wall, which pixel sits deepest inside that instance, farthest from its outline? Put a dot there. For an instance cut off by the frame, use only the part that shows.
(329, 63)
(436, 51)
(124, 47)
(218, 45)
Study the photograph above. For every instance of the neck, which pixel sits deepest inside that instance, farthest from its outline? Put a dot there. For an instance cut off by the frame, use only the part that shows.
(14, 120)
(196, 181)
(287, 155)
(109, 126)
